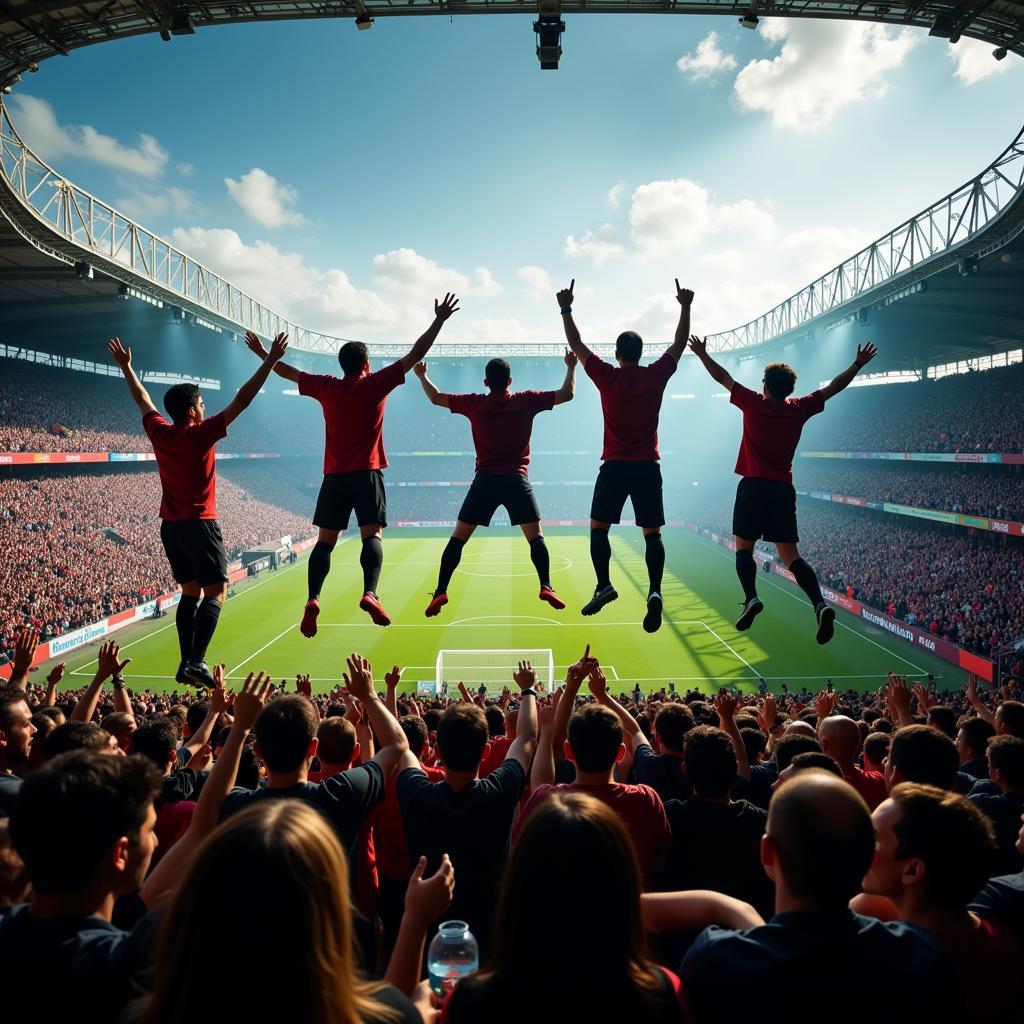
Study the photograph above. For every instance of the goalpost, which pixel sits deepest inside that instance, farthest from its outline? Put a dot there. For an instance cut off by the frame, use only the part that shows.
(491, 668)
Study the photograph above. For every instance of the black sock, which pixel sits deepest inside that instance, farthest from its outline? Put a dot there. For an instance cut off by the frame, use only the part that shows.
(540, 559)
(746, 569)
(655, 561)
(450, 558)
(807, 581)
(206, 622)
(371, 558)
(319, 566)
(185, 620)
(601, 556)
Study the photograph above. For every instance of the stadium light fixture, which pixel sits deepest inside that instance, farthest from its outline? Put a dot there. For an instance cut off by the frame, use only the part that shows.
(122, 292)
(182, 24)
(363, 19)
(549, 29)
(83, 271)
(999, 53)
(943, 27)
(968, 266)
(750, 19)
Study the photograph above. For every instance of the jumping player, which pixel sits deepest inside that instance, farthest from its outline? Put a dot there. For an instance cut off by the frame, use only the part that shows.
(765, 498)
(185, 456)
(502, 423)
(354, 456)
(631, 401)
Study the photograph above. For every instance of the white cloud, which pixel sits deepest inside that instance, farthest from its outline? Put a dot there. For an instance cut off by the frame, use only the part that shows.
(823, 66)
(537, 282)
(492, 331)
(265, 199)
(818, 250)
(974, 60)
(148, 206)
(729, 261)
(38, 126)
(599, 246)
(406, 272)
(615, 194)
(679, 213)
(707, 60)
(185, 170)
(323, 300)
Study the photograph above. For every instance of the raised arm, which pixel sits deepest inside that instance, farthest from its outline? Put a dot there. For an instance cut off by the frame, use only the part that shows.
(572, 333)
(842, 380)
(699, 347)
(525, 742)
(107, 665)
(250, 389)
(442, 311)
(543, 771)
(218, 705)
(24, 654)
(434, 396)
(725, 705)
(684, 296)
(568, 388)
(123, 357)
(281, 368)
(976, 702)
(393, 744)
(631, 730)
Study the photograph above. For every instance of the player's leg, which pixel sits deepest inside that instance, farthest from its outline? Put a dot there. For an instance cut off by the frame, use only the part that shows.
(450, 558)
(211, 572)
(184, 621)
(649, 512)
(610, 493)
(177, 549)
(747, 526)
(333, 508)
(370, 503)
(521, 505)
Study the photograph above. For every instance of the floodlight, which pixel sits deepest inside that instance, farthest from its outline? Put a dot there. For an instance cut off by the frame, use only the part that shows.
(182, 24)
(968, 265)
(750, 19)
(363, 21)
(549, 29)
(999, 53)
(122, 292)
(83, 271)
(944, 28)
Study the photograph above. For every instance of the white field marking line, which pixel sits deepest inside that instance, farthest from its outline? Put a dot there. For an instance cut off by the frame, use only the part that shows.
(734, 652)
(510, 575)
(532, 618)
(491, 625)
(745, 679)
(286, 629)
(849, 629)
(80, 671)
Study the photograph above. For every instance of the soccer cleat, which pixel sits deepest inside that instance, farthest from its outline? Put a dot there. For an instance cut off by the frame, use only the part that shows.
(307, 627)
(179, 677)
(652, 620)
(370, 604)
(198, 673)
(751, 610)
(602, 596)
(826, 623)
(547, 594)
(437, 602)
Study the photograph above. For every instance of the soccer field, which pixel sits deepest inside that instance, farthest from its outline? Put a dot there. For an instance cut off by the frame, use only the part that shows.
(494, 604)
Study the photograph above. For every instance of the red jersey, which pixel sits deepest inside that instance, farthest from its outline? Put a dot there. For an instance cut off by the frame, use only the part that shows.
(353, 416)
(639, 807)
(502, 425)
(630, 400)
(870, 785)
(393, 860)
(771, 431)
(497, 754)
(187, 461)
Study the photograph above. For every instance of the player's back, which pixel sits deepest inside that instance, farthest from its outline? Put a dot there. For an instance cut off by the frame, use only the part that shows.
(502, 425)
(185, 457)
(631, 402)
(771, 431)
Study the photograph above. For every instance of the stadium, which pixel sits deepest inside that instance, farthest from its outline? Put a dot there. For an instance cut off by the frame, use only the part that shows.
(633, 715)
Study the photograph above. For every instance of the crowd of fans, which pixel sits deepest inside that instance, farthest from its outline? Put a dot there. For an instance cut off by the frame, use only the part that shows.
(153, 848)
(975, 492)
(969, 412)
(77, 547)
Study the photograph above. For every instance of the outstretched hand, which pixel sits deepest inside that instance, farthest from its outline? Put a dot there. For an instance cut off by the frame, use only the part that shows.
(25, 650)
(121, 355)
(684, 296)
(427, 899)
(447, 306)
(359, 679)
(253, 344)
(420, 369)
(278, 348)
(249, 701)
(571, 359)
(865, 353)
(525, 676)
(107, 663)
(565, 296)
(698, 346)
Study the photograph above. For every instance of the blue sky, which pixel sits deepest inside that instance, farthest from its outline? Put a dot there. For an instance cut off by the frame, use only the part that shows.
(345, 178)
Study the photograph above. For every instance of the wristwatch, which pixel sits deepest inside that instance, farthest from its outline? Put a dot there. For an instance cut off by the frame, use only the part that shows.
(529, 690)
(118, 682)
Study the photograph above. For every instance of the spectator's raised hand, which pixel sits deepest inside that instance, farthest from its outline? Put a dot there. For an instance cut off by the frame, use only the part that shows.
(359, 680)
(218, 695)
(898, 696)
(121, 355)
(768, 713)
(108, 663)
(25, 650)
(571, 359)
(201, 759)
(597, 682)
(56, 675)
(865, 353)
(249, 701)
(925, 700)
(699, 346)
(420, 369)
(448, 305)
(278, 348)
(525, 676)
(726, 704)
(393, 678)
(427, 899)
(253, 344)
(304, 686)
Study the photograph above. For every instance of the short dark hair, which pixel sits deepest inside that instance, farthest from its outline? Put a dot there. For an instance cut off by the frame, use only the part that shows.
(790, 745)
(1011, 714)
(1006, 753)
(815, 759)
(595, 736)
(630, 346)
(942, 718)
(179, 399)
(415, 730)
(876, 746)
(710, 760)
(336, 740)
(462, 736)
(195, 715)
(498, 373)
(352, 357)
(71, 811)
(431, 718)
(284, 730)
(9, 697)
(672, 723)
(977, 732)
(923, 754)
(118, 724)
(156, 740)
(75, 736)
(779, 379)
(953, 838)
(755, 742)
(495, 720)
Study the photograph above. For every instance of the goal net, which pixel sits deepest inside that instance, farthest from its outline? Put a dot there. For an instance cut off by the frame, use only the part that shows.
(492, 669)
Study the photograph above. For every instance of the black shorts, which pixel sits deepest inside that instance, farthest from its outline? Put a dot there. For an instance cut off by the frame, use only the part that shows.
(195, 549)
(638, 481)
(489, 490)
(343, 493)
(765, 508)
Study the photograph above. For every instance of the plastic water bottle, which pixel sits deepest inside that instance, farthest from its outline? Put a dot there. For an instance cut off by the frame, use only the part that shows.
(453, 954)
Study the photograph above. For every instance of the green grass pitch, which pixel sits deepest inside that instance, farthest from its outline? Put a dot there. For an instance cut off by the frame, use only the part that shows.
(494, 605)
